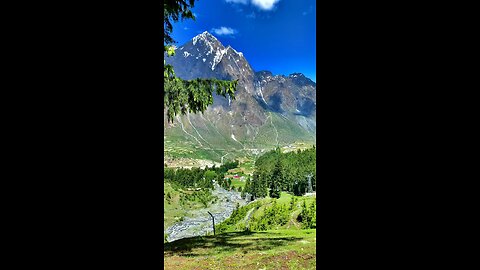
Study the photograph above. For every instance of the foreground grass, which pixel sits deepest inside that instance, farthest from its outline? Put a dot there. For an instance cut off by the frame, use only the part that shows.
(276, 249)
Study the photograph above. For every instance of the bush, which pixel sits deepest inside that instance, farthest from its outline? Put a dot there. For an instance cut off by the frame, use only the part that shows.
(308, 216)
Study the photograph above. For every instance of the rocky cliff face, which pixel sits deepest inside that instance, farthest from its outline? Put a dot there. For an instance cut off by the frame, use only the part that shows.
(267, 110)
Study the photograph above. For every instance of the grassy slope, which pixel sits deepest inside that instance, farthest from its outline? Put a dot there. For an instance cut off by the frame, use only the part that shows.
(173, 208)
(284, 200)
(288, 132)
(285, 248)
(278, 249)
(218, 143)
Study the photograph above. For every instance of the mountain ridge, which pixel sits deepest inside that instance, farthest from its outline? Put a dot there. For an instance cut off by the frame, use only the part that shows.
(268, 110)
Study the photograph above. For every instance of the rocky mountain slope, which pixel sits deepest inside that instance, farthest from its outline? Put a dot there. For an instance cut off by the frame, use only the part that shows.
(267, 111)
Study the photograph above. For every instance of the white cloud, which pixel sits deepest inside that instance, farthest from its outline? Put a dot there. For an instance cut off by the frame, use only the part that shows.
(237, 1)
(265, 4)
(261, 4)
(224, 31)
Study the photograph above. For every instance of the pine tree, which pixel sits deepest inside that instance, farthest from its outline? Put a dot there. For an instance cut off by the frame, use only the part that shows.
(254, 185)
(247, 188)
(276, 180)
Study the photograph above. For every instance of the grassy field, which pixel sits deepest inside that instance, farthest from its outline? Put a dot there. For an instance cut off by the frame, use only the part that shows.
(277, 249)
(238, 183)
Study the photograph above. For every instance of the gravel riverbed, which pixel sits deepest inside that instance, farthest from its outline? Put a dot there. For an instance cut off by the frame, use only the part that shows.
(201, 222)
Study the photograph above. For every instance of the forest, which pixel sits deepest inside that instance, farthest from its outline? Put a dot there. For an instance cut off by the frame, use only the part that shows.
(199, 178)
(276, 171)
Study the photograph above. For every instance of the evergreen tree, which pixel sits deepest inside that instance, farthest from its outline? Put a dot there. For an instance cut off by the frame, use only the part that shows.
(247, 188)
(276, 180)
(255, 186)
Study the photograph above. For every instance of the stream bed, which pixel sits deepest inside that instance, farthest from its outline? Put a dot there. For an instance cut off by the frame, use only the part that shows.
(200, 221)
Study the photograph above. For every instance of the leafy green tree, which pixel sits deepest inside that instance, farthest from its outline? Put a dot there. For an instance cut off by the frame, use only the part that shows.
(210, 175)
(182, 96)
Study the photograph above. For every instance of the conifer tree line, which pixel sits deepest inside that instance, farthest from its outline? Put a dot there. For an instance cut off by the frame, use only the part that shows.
(276, 171)
(199, 178)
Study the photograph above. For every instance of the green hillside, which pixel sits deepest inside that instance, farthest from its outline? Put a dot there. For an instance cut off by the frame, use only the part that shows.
(282, 245)
(287, 212)
(204, 140)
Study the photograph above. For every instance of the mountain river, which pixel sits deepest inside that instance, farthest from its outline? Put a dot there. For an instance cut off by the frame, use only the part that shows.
(201, 222)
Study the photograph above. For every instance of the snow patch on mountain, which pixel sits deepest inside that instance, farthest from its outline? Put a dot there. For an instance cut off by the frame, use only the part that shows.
(239, 53)
(218, 57)
(261, 94)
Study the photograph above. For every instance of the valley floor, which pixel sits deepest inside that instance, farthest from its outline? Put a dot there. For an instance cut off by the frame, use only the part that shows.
(275, 249)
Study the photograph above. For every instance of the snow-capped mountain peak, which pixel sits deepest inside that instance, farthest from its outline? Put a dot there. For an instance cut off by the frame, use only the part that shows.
(205, 36)
(259, 95)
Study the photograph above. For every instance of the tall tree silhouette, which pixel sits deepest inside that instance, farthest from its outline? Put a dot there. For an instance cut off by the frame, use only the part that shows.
(276, 180)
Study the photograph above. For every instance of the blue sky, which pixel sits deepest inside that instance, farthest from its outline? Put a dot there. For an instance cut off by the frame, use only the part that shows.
(274, 35)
